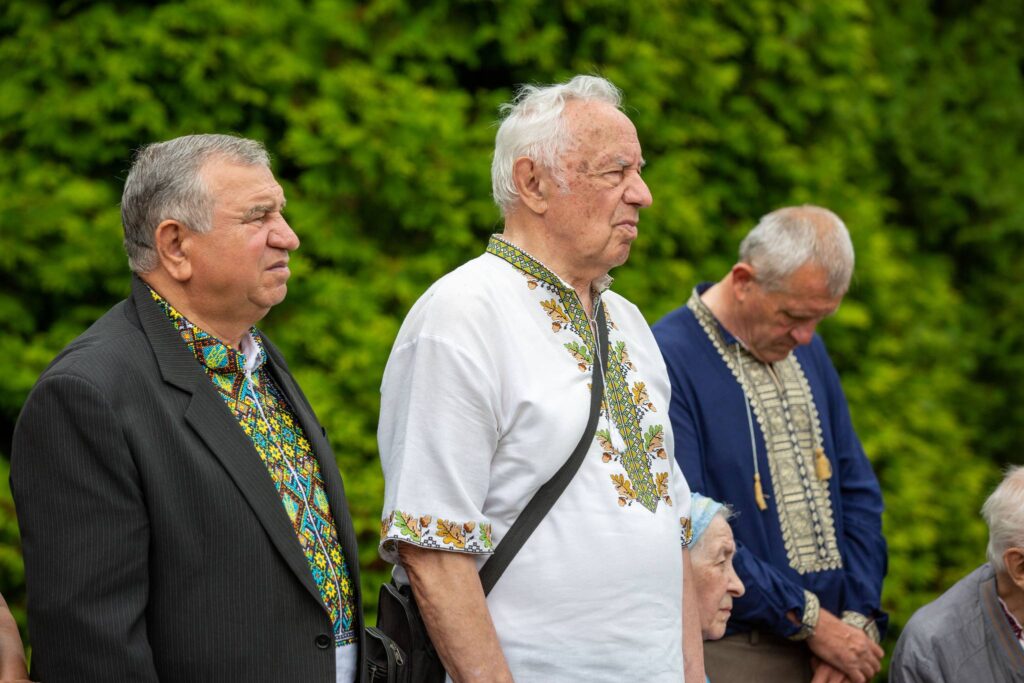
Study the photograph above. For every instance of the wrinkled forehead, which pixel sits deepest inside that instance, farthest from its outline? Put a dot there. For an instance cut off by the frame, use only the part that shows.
(719, 535)
(598, 132)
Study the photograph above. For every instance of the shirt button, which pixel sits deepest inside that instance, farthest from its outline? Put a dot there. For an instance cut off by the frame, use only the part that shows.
(323, 641)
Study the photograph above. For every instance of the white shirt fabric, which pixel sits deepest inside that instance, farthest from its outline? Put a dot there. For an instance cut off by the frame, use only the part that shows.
(346, 663)
(485, 395)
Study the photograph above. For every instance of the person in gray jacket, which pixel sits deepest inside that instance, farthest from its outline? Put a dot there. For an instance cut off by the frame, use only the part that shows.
(972, 632)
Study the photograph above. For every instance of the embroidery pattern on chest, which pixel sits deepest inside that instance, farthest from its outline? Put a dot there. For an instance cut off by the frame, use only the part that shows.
(287, 454)
(781, 400)
(626, 404)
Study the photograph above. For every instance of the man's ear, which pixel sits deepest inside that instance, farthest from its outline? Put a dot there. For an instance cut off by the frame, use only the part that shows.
(533, 183)
(172, 242)
(742, 279)
(1013, 558)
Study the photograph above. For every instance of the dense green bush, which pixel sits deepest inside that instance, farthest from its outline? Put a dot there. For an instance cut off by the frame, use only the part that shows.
(904, 118)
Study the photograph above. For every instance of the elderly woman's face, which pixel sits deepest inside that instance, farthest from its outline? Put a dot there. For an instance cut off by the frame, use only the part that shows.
(716, 580)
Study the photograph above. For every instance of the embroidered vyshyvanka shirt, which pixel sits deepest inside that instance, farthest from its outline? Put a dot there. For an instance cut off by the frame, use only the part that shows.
(263, 413)
(819, 542)
(485, 395)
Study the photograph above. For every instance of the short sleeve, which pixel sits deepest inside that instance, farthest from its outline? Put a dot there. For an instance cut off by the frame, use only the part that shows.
(438, 433)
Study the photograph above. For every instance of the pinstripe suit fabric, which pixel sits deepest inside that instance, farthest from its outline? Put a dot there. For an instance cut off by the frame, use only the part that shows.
(155, 544)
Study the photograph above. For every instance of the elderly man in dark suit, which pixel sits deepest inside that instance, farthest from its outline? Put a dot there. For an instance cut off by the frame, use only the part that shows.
(182, 515)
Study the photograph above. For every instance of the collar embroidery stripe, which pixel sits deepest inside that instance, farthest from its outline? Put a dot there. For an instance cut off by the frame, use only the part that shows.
(791, 428)
(624, 406)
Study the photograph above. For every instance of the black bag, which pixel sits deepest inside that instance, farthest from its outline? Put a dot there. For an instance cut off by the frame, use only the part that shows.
(398, 619)
(400, 628)
(387, 661)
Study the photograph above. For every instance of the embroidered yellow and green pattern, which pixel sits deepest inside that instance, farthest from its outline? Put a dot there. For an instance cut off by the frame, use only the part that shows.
(626, 403)
(780, 398)
(262, 411)
(430, 532)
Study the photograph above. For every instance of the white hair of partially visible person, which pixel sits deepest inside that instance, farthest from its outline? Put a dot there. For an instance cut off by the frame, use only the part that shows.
(786, 239)
(1004, 514)
(533, 127)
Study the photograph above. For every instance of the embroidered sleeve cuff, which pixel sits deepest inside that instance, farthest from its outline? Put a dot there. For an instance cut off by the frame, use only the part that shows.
(809, 621)
(428, 531)
(858, 620)
(685, 532)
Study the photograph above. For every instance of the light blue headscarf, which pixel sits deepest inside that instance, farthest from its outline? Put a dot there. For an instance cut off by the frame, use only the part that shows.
(702, 511)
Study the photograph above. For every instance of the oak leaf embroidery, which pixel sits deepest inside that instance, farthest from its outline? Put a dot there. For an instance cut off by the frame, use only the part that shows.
(640, 396)
(408, 526)
(661, 479)
(624, 488)
(556, 313)
(581, 354)
(450, 532)
(654, 441)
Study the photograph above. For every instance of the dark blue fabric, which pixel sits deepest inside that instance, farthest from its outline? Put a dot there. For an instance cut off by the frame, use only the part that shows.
(712, 445)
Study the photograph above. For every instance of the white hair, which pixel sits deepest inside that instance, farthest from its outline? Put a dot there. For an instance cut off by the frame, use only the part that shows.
(165, 181)
(533, 127)
(788, 238)
(1004, 514)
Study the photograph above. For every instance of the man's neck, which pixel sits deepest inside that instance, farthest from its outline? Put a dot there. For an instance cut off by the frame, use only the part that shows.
(227, 331)
(720, 301)
(553, 259)
(1011, 594)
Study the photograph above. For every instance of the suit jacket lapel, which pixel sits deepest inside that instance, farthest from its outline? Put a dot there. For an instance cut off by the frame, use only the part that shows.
(213, 421)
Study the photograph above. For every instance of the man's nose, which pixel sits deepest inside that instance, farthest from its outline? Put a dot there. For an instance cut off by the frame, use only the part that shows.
(804, 332)
(638, 194)
(282, 236)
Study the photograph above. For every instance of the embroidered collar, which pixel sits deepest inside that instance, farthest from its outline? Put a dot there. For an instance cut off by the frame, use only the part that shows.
(503, 249)
(213, 354)
(703, 313)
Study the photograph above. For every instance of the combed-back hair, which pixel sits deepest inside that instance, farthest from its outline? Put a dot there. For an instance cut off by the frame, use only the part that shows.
(788, 238)
(165, 182)
(533, 127)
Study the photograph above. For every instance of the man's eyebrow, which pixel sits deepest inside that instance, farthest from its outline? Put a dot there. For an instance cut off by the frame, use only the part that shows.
(622, 162)
(264, 208)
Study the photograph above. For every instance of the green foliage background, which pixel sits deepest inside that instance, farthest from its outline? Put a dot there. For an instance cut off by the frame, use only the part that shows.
(906, 118)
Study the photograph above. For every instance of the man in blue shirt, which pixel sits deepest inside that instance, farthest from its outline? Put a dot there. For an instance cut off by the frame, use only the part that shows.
(762, 424)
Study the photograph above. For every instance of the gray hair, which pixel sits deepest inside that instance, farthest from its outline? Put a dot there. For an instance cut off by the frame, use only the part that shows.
(533, 127)
(788, 238)
(165, 182)
(1004, 514)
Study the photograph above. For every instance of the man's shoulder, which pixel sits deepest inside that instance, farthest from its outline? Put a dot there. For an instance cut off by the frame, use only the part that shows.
(952, 615)
(472, 294)
(679, 335)
(102, 352)
(623, 308)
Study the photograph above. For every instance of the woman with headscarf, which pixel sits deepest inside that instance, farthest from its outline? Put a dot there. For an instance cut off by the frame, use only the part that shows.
(711, 552)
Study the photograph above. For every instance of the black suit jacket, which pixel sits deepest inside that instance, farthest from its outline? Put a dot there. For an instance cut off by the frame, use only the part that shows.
(155, 544)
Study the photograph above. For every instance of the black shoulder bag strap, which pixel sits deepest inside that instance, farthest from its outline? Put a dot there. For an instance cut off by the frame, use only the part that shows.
(546, 496)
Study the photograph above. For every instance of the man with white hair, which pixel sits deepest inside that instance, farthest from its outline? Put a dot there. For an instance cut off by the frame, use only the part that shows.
(973, 632)
(485, 395)
(760, 420)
